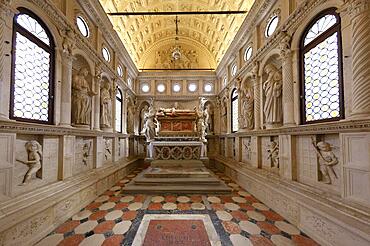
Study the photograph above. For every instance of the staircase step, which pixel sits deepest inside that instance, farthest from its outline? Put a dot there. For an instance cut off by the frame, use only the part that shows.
(191, 189)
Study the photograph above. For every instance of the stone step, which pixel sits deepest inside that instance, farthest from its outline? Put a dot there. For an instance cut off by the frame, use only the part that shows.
(177, 163)
(177, 189)
(176, 172)
(177, 181)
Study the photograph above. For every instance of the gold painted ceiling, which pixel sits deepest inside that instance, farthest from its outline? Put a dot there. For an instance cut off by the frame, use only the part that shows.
(203, 39)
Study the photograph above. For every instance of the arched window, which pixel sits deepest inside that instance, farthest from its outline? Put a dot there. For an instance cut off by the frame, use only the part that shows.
(32, 87)
(119, 110)
(234, 111)
(321, 65)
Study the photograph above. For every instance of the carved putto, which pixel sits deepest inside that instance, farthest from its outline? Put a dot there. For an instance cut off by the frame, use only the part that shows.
(273, 153)
(86, 153)
(81, 98)
(327, 160)
(34, 158)
(272, 88)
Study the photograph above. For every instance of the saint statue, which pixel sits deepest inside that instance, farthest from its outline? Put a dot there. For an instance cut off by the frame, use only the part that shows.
(106, 106)
(143, 111)
(151, 124)
(273, 95)
(81, 98)
(248, 108)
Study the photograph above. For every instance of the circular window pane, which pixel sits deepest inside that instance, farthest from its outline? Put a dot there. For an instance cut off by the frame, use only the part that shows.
(234, 69)
(145, 88)
(192, 87)
(106, 54)
(208, 87)
(119, 70)
(82, 26)
(161, 88)
(176, 87)
(248, 53)
(271, 26)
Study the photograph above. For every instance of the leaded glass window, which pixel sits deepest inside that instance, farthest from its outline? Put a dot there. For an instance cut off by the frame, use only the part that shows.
(322, 91)
(32, 70)
(119, 110)
(234, 111)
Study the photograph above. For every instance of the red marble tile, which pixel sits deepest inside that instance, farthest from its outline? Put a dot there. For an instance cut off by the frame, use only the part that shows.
(114, 240)
(300, 240)
(67, 226)
(270, 215)
(251, 199)
(226, 199)
(93, 206)
(104, 227)
(129, 215)
(139, 198)
(231, 227)
(176, 232)
(121, 205)
(155, 206)
(239, 215)
(217, 206)
(260, 241)
(246, 206)
(114, 199)
(170, 198)
(73, 240)
(184, 206)
(196, 198)
(269, 228)
(98, 215)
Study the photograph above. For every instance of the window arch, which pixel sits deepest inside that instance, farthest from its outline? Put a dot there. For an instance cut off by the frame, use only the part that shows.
(32, 85)
(119, 110)
(321, 69)
(234, 111)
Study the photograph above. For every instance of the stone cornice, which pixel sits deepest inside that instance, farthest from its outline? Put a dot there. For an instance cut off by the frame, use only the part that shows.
(178, 75)
(322, 128)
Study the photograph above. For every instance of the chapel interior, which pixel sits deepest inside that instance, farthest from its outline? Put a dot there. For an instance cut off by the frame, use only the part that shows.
(198, 122)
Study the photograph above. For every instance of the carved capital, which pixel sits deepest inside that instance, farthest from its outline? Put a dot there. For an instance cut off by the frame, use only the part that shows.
(285, 46)
(69, 41)
(358, 7)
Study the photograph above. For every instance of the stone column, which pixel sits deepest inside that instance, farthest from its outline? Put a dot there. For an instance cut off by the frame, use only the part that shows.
(359, 11)
(97, 83)
(288, 88)
(124, 111)
(6, 22)
(257, 97)
(66, 90)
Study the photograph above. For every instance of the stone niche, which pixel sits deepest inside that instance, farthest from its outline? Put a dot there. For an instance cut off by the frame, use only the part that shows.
(270, 153)
(312, 169)
(46, 148)
(84, 149)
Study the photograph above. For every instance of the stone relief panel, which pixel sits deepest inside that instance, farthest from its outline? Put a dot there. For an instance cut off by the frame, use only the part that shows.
(108, 148)
(246, 149)
(166, 59)
(83, 155)
(222, 147)
(230, 147)
(318, 162)
(270, 153)
(50, 158)
(7, 155)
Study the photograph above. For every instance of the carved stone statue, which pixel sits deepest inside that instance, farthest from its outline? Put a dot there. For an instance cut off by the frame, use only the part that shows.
(327, 160)
(273, 95)
(273, 150)
(247, 105)
(86, 153)
(143, 111)
(209, 118)
(106, 106)
(34, 153)
(130, 119)
(151, 125)
(81, 98)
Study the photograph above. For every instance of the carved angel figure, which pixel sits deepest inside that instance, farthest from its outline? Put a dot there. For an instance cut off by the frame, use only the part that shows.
(34, 152)
(81, 101)
(273, 93)
(105, 106)
(327, 160)
(273, 150)
(143, 111)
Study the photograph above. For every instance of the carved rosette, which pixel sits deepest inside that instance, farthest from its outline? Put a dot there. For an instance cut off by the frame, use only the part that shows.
(177, 153)
(359, 11)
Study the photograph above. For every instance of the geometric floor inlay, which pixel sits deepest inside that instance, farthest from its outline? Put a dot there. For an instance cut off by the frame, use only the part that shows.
(235, 219)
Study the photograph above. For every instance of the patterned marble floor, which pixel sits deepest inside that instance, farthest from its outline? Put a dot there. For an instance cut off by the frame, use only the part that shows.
(238, 218)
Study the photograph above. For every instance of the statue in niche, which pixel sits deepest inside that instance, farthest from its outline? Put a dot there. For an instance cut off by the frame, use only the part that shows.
(81, 98)
(273, 95)
(202, 115)
(106, 106)
(273, 154)
(107, 152)
(130, 120)
(34, 153)
(327, 160)
(209, 117)
(247, 105)
(143, 111)
(86, 153)
(150, 129)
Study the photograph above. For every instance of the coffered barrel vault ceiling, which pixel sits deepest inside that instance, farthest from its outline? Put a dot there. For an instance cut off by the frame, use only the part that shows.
(203, 39)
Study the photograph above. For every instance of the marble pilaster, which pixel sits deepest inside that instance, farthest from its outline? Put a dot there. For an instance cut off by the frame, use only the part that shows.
(97, 83)
(66, 90)
(257, 97)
